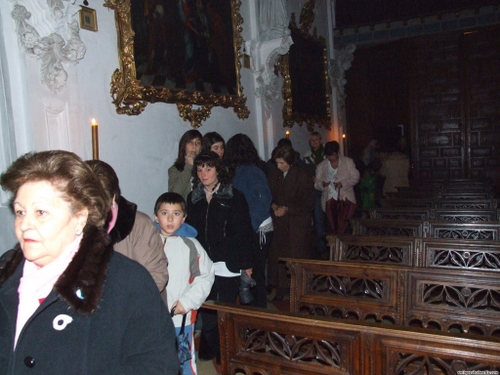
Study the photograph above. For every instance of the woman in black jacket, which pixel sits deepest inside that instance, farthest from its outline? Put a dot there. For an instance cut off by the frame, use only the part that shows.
(220, 214)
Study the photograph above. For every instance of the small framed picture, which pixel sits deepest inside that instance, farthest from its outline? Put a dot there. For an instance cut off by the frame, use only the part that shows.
(88, 19)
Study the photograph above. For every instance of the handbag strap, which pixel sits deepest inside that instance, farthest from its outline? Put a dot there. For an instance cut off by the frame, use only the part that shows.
(183, 324)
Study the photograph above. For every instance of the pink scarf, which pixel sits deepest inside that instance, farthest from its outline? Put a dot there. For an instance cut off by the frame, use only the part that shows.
(114, 216)
(36, 284)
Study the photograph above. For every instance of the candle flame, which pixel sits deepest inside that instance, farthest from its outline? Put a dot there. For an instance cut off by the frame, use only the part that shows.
(94, 122)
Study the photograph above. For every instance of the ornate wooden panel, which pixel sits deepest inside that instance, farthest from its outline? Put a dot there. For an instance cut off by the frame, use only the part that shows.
(482, 51)
(437, 98)
(455, 95)
(265, 342)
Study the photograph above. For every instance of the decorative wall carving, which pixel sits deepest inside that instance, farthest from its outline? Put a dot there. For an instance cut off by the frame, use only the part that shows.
(337, 68)
(61, 46)
(269, 88)
(274, 41)
(273, 20)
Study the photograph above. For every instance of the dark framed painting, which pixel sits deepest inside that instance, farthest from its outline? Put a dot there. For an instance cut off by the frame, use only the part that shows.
(185, 52)
(306, 85)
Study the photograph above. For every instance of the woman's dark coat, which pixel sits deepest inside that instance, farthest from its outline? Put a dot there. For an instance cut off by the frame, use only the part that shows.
(120, 326)
(291, 231)
(224, 226)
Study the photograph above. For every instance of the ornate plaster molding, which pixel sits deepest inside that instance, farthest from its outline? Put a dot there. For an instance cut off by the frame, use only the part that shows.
(269, 88)
(274, 41)
(61, 46)
(338, 66)
(273, 19)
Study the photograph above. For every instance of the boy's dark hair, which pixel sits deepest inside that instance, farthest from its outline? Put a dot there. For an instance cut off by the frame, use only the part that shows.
(171, 198)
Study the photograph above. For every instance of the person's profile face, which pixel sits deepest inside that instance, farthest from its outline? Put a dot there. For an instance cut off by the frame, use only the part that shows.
(193, 147)
(218, 148)
(170, 217)
(45, 223)
(282, 165)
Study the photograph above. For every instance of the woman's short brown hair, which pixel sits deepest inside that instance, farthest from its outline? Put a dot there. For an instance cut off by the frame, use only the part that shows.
(285, 152)
(69, 174)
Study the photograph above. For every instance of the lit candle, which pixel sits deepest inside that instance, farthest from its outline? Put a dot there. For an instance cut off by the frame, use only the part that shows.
(287, 134)
(95, 139)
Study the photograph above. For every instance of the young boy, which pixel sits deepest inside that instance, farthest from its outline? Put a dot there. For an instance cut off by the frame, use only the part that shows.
(191, 271)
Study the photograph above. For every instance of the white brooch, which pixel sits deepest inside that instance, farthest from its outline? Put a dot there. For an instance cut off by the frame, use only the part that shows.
(61, 321)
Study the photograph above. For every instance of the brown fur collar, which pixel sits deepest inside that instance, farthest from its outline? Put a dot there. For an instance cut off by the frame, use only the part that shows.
(81, 284)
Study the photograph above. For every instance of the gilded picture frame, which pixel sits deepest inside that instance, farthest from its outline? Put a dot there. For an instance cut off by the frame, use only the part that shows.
(183, 52)
(306, 84)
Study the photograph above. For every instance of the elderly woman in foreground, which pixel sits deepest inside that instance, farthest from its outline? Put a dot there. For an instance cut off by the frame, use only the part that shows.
(69, 304)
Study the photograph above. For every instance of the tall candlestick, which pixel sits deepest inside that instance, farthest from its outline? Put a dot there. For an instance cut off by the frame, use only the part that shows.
(287, 134)
(95, 140)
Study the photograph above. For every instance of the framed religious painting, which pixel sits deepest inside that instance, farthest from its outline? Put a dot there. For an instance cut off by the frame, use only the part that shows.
(185, 52)
(306, 85)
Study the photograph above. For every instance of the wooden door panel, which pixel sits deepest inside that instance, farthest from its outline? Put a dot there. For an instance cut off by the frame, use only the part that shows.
(437, 98)
(482, 59)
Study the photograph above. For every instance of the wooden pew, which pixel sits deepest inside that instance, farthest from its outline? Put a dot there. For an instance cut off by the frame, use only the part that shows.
(445, 214)
(437, 229)
(489, 230)
(258, 341)
(440, 194)
(465, 301)
(439, 203)
(416, 251)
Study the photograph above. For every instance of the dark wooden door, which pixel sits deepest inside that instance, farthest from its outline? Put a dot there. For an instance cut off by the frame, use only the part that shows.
(455, 95)
(437, 98)
(482, 103)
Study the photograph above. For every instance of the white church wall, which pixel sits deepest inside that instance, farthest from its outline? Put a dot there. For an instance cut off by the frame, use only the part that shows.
(140, 148)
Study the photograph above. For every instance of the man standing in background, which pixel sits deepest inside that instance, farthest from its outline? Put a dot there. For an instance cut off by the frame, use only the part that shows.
(312, 158)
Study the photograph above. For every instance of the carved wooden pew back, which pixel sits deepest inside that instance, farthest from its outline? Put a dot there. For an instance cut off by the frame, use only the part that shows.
(416, 251)
(439, 229)
(426, 214)
(439, 203)
(258, 341)
(465, 301)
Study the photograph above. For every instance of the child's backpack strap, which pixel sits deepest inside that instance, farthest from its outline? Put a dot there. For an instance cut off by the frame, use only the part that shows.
(194, 266)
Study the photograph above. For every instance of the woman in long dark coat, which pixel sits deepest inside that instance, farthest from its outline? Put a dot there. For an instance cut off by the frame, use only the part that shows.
(293, 203)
